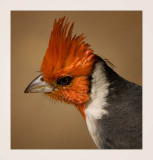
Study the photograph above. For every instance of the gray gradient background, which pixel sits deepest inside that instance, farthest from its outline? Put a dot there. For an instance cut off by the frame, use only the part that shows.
(40, 123)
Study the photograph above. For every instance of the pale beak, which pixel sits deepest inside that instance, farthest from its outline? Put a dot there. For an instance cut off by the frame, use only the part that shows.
(38, 85)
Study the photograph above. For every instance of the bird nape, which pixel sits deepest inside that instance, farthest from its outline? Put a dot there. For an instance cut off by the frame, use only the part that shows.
(72, 73)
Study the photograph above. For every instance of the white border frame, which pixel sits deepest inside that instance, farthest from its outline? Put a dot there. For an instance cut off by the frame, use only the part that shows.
(5, 12)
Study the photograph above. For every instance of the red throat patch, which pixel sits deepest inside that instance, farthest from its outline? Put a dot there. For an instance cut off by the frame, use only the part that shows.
(68, 56)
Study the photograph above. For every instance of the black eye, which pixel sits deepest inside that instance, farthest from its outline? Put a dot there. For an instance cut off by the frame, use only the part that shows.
(64, 81)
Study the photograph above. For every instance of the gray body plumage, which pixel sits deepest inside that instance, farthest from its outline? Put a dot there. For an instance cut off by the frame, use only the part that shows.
(121, 126)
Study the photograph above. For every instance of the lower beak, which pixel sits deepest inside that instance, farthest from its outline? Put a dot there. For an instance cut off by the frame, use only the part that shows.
(38, 85)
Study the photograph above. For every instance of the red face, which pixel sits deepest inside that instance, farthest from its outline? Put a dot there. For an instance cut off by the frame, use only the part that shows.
(66, 67)
(71, 89)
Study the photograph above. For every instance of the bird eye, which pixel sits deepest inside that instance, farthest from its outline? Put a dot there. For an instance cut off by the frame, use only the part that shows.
(64, 81)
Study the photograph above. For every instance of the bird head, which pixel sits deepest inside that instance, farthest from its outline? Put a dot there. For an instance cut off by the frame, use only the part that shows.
(66, 67)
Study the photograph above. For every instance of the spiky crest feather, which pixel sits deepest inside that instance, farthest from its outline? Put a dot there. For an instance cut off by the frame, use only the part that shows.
(66, 54)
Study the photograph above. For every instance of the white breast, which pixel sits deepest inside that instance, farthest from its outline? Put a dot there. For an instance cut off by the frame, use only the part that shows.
(95, 106)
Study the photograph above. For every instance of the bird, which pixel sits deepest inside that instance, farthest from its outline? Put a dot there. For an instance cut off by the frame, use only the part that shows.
(72, 73)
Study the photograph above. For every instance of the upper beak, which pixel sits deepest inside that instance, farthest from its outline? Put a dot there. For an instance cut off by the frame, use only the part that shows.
(38, 85)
